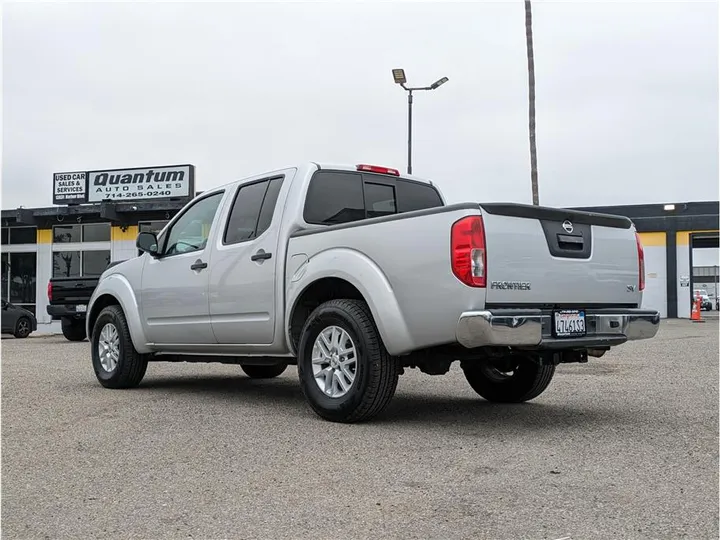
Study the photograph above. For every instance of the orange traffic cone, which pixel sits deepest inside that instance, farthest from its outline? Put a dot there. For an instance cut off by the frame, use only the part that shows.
(695, 315)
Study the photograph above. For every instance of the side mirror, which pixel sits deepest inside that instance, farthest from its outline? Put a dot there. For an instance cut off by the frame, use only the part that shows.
(147, 242)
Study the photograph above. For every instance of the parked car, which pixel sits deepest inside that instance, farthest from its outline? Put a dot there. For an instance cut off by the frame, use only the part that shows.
(67, 301)
(355, 273)
(17, 321)
(705, 302)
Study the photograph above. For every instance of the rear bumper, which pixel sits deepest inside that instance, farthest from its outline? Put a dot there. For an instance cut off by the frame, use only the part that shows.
(68, 311)
(533, 328)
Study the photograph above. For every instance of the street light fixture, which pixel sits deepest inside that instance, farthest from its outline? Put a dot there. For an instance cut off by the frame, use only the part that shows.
(399, 77)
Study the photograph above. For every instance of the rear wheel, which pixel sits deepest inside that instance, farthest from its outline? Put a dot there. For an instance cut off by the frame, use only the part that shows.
(22, 328)
(264, 372)
(510, 381)
(116, 362)
(73, 330)
(345, 372)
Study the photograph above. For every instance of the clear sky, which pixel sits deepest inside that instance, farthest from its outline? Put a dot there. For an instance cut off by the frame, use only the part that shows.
(627, 94)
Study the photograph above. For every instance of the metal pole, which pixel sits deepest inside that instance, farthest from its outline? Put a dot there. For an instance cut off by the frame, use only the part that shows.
(410, 102)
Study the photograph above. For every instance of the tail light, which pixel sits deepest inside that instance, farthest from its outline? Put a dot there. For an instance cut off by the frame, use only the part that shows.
(467, 251)
(641, 263)
(49, 291)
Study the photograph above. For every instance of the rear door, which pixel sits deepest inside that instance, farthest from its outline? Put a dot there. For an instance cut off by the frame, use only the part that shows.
(553, 257)
(243, 274)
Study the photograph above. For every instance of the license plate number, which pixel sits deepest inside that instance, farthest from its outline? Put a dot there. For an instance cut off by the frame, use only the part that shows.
(81, 308)
(569, 323)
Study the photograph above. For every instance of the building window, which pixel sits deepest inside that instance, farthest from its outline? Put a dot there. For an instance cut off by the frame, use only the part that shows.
(18, 279)
(80, 263)
(92, 232)
(96, 232)
(5, 275)
(94, 263)
(63, 234)
(19, 235)
(152, 226)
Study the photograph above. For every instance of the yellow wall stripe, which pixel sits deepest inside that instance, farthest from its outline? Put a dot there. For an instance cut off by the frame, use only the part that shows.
(117, 234)
(652, 239)
(44, 236)
(683, 237)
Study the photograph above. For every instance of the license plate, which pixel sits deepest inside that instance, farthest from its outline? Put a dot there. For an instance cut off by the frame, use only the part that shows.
(82, 308)
(569, 323)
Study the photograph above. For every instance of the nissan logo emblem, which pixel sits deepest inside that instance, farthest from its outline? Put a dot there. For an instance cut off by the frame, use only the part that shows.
(568, 226)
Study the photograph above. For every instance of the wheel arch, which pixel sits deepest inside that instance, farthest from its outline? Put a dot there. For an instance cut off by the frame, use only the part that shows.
(115, 290)
(332, 275)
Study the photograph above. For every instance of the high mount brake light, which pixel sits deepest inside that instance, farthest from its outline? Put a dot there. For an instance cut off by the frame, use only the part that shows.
(468, 256)
(378, 170)
(641, 263)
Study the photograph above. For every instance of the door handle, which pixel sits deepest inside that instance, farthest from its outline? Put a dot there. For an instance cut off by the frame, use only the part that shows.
(198, 265)
(261, 256)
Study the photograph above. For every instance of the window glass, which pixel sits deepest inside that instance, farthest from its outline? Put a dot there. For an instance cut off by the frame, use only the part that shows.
(268, 205)
(245, 211)
(379, 200)
(66, 233)
(334, 197)
(66, 264)
(96, 232)
(5, 275)
(191, 231)
(23, 268)
(151, 226)
(413, 196)
(4, 235)
(23, 235)
(94, 263)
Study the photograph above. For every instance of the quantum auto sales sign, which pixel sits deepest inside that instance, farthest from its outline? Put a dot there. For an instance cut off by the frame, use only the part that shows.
(69, 187)
(141, 183)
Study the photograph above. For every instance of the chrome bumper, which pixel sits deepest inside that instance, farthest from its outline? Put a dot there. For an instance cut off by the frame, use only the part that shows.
(533, 328)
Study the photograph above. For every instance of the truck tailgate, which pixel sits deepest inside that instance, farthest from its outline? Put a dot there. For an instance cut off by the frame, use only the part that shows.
(72, 290)
(553, 257)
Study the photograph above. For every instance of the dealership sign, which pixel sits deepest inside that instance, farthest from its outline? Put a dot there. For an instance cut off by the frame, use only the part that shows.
(69, 188)
(135, 184)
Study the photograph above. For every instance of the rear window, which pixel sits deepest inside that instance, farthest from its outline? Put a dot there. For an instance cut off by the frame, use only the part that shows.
(414, 196)
(334, 197)
(341, 197)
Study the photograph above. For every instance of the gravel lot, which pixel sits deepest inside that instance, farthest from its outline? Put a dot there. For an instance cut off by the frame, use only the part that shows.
(623, 447)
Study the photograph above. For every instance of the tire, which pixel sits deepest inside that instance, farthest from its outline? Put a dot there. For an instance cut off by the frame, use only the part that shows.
(74, 330)
(22, 328)
(130, 366)
(264, 372)
(527, 381)
(375, 375)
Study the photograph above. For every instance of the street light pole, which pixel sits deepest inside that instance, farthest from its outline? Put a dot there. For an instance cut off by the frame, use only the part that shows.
(399, 77)
(410, 102)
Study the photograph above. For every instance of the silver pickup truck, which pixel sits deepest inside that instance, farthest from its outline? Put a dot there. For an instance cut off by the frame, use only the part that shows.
(354, 273)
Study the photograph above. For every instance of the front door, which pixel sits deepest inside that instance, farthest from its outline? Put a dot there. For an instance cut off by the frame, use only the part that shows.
(243, 274)
(174, 290)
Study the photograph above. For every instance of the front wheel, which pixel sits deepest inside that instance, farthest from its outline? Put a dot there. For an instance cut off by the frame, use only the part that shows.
(346, 374)
(264, 372)
(510, 381)
(116, 362)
